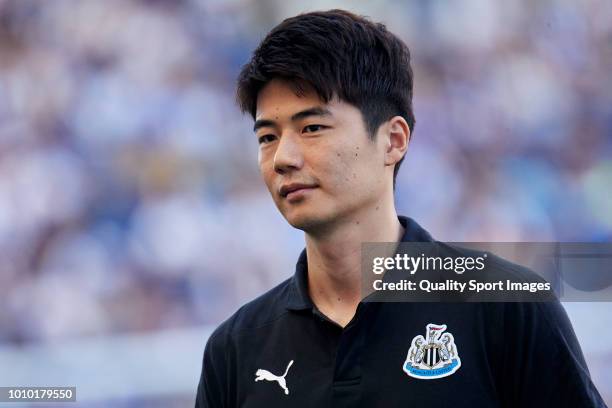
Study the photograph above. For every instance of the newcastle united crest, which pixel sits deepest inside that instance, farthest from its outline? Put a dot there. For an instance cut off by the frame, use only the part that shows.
(434, 356)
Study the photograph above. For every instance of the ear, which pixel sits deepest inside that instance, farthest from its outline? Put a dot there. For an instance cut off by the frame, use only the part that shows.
(397, 138)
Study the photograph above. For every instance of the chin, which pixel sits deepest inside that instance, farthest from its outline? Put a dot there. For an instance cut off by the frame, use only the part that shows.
(306, 221)
(301, 221)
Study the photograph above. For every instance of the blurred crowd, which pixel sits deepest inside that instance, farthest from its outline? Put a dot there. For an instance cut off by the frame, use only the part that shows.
(130, 198)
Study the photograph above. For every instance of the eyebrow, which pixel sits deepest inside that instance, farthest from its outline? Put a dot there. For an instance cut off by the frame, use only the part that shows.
(317, 111)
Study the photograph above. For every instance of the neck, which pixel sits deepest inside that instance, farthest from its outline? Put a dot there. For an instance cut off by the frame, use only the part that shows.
(334, 259)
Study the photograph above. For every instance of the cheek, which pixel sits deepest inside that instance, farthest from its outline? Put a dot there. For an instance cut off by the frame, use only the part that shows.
(354, 166)
(266, 170)
(343, 167)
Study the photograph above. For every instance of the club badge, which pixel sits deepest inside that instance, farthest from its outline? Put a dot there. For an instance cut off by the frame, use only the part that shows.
(432, 357)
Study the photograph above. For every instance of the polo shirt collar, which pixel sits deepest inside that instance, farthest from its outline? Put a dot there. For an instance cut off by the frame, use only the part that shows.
(298, 298)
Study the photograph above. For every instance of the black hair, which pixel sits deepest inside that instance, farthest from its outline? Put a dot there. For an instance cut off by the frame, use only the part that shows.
(338, 54)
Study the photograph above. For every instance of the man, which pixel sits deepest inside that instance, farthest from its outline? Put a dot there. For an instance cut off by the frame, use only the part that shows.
(331, 95)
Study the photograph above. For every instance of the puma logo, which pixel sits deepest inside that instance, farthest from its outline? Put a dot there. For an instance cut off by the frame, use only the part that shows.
(268, 376)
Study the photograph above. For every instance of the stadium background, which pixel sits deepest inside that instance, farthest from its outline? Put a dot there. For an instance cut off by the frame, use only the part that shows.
(132, 215)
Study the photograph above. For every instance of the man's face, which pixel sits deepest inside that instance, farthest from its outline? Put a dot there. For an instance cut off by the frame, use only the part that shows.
(317, 159)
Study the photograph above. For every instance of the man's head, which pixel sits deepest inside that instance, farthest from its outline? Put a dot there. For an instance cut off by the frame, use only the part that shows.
(357, 78)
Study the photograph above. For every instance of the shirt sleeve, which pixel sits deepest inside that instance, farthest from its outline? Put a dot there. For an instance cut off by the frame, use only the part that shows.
(543, 365)
(212, 388)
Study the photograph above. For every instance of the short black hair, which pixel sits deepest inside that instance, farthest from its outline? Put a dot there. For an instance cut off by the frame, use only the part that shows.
(338, 54)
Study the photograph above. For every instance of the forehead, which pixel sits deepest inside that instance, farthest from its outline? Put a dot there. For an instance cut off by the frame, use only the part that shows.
(281, 96)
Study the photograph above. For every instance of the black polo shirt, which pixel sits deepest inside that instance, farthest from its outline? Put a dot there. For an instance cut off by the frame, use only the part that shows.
(280, 351)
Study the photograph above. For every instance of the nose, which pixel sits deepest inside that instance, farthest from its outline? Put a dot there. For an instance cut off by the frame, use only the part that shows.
(288, 155)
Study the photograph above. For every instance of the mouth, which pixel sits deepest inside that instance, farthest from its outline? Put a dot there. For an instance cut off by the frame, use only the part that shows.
(295, 191)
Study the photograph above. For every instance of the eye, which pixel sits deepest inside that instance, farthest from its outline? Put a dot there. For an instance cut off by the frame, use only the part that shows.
(266, 139)
(313, 128)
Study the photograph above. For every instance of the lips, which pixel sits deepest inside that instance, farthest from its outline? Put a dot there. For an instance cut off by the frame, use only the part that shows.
(289, 188)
